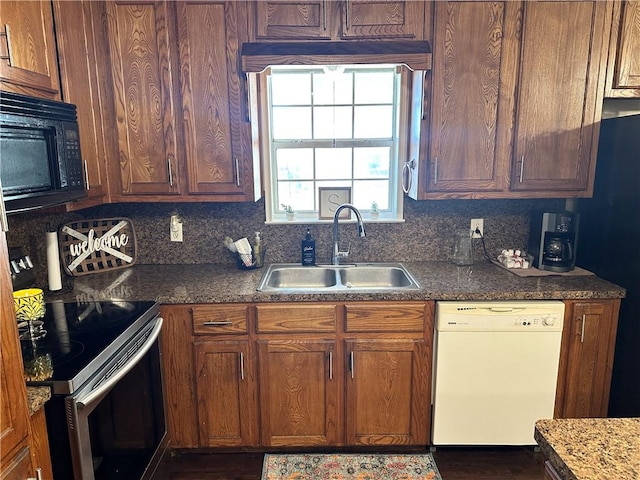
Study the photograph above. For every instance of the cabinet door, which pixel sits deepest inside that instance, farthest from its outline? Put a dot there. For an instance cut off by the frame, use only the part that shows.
(623, 75)
(400, 19)
(226, 393)
(559, 96)
(217, 133)
(299, 393)
(586, 360)
(14, 416)
(472, 93)
(83, 56)
(28, 62)
(178, 371)
(387, 397)
(18, 467)
(140, 44)
(293, 19)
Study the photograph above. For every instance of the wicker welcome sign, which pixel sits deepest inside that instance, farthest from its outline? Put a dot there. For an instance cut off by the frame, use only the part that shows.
(92, 246)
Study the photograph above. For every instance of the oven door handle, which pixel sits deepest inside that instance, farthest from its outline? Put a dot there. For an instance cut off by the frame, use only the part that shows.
(82, 401)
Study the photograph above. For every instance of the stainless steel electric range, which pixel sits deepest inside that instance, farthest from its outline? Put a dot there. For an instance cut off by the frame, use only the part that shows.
(102, 362)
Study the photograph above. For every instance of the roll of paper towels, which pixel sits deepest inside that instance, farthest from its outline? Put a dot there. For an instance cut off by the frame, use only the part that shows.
(53, 262)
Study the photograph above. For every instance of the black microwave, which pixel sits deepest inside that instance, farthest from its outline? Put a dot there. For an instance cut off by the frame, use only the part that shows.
(40, 161)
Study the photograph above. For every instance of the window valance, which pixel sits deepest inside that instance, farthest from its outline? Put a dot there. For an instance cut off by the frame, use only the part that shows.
(415, 55)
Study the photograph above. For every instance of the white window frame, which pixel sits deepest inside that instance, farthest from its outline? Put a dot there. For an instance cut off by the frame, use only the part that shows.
(261, 133)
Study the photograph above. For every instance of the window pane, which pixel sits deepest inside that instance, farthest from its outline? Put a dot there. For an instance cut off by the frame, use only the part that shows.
(374, 87)
(366, 191)
(371, 162)
(294, 163)
(332, 88)
(332, 122)
(291, 123)
(333, 163)
(297, 194)
(373, 122)
(291, 89)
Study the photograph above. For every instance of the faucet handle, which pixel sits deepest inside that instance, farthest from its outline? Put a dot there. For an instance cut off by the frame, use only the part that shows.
(344, 254)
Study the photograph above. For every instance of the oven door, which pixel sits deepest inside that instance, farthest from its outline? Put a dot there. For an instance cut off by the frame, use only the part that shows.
(116, 422)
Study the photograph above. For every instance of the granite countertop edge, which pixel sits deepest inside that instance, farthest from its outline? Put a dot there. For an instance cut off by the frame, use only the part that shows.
(591, 448)
(37, 397)
(225, 283)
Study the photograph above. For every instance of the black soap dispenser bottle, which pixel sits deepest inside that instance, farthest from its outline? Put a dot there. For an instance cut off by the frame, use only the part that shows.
(308, 250)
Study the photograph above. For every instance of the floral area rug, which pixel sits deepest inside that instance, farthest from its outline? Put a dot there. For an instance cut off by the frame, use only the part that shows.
(349, 466)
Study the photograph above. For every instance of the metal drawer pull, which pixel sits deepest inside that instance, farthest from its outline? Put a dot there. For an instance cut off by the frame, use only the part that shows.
(170, 173)
(215, 324)
(521, 167)
(324, 15)
(347, 14)
(38, 475)
(241, 366)
(237, 172)
(351, 363)
(584, 320)
(435, 170)
(7, 34)
(330, 365)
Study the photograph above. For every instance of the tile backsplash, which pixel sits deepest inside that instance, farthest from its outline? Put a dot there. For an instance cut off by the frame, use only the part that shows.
(426, 234)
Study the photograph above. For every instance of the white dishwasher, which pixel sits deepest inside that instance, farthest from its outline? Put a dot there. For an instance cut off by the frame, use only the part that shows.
(495, 370)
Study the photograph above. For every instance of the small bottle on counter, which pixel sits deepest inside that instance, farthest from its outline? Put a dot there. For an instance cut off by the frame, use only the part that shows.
(257, 250)
(308, 250)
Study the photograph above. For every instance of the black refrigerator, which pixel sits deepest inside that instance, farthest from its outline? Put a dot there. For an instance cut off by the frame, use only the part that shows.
(610, 247)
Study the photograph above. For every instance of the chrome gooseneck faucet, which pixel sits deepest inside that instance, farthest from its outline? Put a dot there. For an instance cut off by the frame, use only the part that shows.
(337, 254)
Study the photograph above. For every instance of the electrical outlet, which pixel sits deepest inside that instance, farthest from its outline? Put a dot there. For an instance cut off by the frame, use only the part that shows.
(176, 229)
(477, 224)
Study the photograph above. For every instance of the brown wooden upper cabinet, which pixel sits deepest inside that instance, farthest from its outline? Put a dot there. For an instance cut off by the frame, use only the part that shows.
(471, 95)
(180, 102)
(513, 101)
(142, 50)
(84, 73)
(214, 96)
(623, 71)
(559, 97)
(287, 20)
(28, 62)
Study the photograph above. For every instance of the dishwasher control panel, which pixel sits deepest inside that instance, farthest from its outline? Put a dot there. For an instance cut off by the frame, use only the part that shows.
(500, 315)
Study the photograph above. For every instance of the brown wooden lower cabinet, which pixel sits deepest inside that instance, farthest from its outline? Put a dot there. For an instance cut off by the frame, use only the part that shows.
(40, 456)
(225, 392)
(338, 374)
(387, 397)
(586, 358)
(299, 393)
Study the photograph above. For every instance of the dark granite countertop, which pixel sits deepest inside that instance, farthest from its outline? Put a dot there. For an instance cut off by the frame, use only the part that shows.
(591, 448)
(225, 283)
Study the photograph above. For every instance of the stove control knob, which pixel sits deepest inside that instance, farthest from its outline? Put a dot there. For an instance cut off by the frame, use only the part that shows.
(548, 321)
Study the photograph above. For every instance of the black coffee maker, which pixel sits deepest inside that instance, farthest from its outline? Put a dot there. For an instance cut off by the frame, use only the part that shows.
(553, 240)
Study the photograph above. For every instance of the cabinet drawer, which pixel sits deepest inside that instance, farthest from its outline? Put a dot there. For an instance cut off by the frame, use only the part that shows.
(227, 319)
(391, 317)
(296, 318)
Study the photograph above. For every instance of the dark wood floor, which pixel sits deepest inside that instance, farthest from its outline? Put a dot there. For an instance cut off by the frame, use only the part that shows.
(517, 463)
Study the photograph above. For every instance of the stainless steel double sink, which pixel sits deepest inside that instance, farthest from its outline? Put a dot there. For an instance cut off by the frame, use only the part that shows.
(294, 278)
